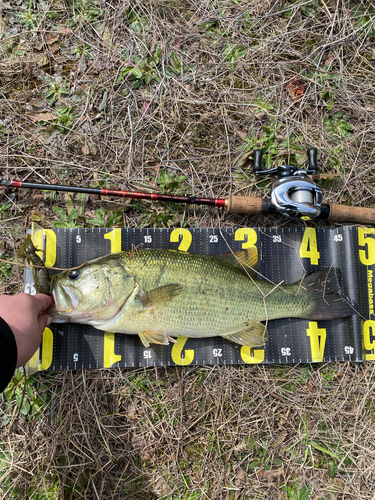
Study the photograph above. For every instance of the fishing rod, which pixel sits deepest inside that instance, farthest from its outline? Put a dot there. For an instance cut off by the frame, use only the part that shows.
(293, 194)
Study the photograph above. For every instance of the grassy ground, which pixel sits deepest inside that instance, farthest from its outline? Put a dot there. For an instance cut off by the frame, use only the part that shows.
(172, 95)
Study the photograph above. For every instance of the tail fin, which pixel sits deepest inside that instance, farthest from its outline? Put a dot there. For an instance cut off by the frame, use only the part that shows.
(326, 300)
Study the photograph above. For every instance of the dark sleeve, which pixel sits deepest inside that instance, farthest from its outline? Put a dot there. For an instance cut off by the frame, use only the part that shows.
(8, 354)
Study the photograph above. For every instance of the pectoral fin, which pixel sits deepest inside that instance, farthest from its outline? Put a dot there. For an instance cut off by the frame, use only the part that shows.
(154, 337)
(159, 295)
(253, 335)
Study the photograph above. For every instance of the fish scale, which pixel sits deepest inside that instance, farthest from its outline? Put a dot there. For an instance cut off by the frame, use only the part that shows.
(216, 296)
(160, 294)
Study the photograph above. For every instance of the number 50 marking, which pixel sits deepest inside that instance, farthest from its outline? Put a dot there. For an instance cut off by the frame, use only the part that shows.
(369, 243)
(368, 330)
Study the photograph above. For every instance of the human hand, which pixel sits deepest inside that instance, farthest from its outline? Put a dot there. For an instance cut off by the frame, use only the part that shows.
(24, 315)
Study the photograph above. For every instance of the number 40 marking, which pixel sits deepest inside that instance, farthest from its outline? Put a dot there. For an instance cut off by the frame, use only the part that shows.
(318, 338)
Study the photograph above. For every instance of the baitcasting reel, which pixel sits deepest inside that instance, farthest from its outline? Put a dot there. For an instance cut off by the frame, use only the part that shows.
(293, 193)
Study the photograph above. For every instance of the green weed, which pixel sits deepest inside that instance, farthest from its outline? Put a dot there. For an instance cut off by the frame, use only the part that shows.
(338, 126)
(296, 492)
(80, 50)
(136, 22)
(364, 17)
(28, 19)
(27, 402)
(328, 82)
(177, 66)
(3, 209)
(64, 118)
(172, 184)
(38, 487)
(55, 90)
(67, 220)
(140, 70)
(5, 268)
(143, 69)
(83, 10)
(105, 218)
(49, 195)
(233, 53)
(277, 149)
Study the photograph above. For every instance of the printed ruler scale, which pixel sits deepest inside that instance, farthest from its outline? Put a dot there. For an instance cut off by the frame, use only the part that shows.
(286, 255)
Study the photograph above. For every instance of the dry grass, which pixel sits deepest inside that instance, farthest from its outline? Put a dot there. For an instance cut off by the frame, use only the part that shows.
(215, 80)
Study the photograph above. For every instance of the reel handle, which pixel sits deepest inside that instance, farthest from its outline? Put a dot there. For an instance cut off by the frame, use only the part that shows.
(312, 155)
(257, 163)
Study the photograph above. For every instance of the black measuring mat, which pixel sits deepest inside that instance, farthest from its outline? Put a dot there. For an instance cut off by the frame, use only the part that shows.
(286, 255)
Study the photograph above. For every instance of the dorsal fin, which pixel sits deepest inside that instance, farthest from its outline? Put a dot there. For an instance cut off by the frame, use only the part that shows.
(242, 258)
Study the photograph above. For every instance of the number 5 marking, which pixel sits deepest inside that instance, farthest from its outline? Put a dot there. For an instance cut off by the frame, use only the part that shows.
(369, 338)
(366, 242)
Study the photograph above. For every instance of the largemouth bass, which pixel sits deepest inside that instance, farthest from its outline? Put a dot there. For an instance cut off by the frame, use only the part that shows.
(161, 294)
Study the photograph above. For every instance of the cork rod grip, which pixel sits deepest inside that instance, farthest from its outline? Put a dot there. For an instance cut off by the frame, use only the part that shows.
(244, 205)
(342, 213)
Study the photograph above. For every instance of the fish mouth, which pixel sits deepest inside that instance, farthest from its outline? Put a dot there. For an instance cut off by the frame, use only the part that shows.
(67, 297)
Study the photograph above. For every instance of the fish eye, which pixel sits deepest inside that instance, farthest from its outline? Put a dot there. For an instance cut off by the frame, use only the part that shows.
(73, 275)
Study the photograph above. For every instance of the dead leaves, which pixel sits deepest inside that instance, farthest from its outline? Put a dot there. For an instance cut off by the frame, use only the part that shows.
(295, 87)
(42, 117)
(143, 447)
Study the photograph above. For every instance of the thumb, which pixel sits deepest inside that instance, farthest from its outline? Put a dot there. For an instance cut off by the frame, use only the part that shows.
(42, 301)
(44, 320)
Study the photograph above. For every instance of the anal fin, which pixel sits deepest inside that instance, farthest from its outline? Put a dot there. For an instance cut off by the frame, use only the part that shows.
(254, 334)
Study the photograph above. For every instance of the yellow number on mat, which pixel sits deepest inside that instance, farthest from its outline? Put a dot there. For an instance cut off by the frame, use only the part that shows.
(109, 356)
(369, 242)
(186, 240)
(368, 332)
(247, 235)
(252, 355)
(177, 353)
(33, 364)
(309, 247)
(318, 338)
(37, 237)
(115, 238)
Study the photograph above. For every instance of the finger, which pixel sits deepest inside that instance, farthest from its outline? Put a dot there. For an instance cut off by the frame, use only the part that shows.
(44, 320)
(42, 301)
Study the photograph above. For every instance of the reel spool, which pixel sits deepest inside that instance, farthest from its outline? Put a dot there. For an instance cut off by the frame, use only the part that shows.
(293, 193)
